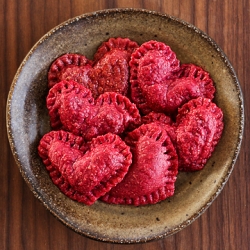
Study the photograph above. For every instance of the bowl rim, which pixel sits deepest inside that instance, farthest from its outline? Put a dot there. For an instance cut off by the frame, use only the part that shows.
(105, 12)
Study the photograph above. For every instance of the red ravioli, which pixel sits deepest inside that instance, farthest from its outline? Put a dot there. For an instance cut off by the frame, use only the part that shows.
(159, 84)
(110, 73)
(152, 63)
(199, 129)
(124, 44)
(152, 175)
(72, 107)
(84, 173)
(69, 67)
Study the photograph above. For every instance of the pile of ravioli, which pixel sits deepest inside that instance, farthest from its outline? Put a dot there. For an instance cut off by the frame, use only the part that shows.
(125, 123)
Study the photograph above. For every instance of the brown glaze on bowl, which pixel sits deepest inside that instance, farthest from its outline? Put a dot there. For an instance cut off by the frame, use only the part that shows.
(27, 121)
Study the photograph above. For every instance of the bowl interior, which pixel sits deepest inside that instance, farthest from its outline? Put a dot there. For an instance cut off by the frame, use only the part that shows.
(28, 121)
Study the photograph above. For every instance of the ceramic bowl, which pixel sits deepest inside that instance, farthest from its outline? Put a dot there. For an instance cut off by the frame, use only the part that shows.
(28, 121)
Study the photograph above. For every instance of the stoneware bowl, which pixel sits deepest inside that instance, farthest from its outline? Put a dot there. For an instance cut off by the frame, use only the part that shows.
(28, 121)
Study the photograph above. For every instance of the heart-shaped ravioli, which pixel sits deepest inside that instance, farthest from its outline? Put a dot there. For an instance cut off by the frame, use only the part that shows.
(84, 172)
(160, 84)
(108, 72)
(199, 128)
(152, 175)
(72, 107)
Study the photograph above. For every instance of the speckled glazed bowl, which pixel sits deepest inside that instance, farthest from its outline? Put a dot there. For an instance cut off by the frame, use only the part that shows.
(27, 121)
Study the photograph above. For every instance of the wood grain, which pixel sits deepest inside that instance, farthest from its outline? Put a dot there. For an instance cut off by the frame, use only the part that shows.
(26, 224)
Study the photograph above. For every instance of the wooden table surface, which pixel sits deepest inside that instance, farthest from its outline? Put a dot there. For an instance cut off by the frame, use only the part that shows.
(25, 222)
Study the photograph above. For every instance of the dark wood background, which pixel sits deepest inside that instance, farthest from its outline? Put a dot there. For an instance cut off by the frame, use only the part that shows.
(24, 221)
